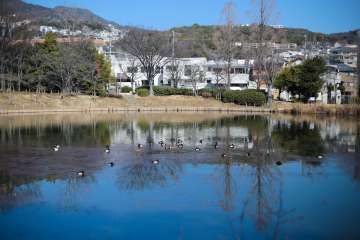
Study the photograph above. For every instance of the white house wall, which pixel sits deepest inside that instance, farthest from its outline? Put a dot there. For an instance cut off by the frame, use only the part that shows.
(121, 62)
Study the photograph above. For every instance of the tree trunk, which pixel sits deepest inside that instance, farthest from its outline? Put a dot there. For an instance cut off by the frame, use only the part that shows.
(270, 94)
(132, 85)
(228, 71)
(151, 91)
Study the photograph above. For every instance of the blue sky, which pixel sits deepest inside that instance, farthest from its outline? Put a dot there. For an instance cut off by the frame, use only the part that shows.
(326, 16)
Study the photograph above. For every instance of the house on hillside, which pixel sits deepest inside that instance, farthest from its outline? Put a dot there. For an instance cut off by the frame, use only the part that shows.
(339, 79)
(344, 54)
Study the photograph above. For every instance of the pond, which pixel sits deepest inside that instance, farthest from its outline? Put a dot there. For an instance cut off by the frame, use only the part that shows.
(179, 176)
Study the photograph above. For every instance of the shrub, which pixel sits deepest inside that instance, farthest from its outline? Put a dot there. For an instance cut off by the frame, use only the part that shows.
(168, 91)
(126, 89)
(142, 92)
(229, 96)
(211, 92)
(245, 97)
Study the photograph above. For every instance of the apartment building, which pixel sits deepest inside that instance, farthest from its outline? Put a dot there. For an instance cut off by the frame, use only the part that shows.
(188, 73)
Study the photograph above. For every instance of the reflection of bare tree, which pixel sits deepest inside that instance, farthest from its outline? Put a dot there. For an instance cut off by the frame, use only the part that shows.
(11, 197)
(281, 215)
(143, 174)
(74, 187)
(228, 202)
(264, 203)
(226, 173)
(265, 175)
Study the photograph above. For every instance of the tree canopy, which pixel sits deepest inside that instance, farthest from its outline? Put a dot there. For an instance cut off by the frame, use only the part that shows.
(53, 66)
(303, 80)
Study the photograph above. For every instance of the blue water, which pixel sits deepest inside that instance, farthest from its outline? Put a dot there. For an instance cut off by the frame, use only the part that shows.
(313, 194)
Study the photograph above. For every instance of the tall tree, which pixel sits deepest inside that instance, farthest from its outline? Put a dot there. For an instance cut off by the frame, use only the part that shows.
(264, 53)
(150, 48)
(132, 71)
(196, 75)
(303, 79)
(225, 39)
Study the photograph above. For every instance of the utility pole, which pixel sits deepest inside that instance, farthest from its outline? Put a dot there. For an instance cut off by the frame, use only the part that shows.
(173, 57)
(110, 47)
(173, 45)
(305, 46)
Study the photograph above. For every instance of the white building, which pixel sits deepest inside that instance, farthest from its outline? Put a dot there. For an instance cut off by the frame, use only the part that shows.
(125, 67)
(46, 29)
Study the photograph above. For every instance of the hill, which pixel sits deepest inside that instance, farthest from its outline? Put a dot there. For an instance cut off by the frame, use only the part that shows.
(197, 40)
(58, 16)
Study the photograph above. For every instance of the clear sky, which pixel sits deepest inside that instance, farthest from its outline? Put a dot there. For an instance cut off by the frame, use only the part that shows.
(326, 16)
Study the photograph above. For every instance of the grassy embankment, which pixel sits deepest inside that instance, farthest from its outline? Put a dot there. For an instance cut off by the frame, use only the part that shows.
(30, 102)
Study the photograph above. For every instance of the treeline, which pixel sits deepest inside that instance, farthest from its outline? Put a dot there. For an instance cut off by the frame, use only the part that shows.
(74, 67)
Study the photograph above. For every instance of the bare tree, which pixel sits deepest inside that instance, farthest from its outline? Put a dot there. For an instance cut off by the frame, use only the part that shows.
(220, 74)
(132, 71)
(196, 75)
(150, 48)
(264, 54)
(225, 39)
(21, 51)
(175, 73)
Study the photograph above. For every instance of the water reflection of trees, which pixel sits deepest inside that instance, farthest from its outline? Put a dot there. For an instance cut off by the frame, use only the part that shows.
(143, 174)
(13, 193)
(301, 139)
(74, 188)
(264, 201)
(66, 134)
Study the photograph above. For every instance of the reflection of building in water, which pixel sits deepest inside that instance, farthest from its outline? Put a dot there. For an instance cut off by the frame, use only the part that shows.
(191, 134)
(338, 137)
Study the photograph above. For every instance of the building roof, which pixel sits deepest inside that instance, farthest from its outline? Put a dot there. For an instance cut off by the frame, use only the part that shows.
(338, 50)
(341, 68)
(345, 68)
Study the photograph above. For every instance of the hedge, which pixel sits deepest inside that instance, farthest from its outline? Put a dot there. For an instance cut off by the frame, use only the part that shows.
(210, 92)
(245, 97)
(142, 92)
(168, 91)
(126, 89)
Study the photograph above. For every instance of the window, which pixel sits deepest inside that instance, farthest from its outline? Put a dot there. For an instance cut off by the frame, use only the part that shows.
(132, 69)
(187, 70)
(239, 70)
(217, 70)
(241, 85)
(171, 68)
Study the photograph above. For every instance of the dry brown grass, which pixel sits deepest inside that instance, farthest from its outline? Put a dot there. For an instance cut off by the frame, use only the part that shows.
(318, 108)
(18, 101)
(31, 102)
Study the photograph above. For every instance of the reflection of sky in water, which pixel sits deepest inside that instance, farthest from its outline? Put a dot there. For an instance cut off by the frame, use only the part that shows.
(188, 195)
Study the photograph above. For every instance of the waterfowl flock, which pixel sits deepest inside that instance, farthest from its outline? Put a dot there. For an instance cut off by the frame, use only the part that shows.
(176, 144)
